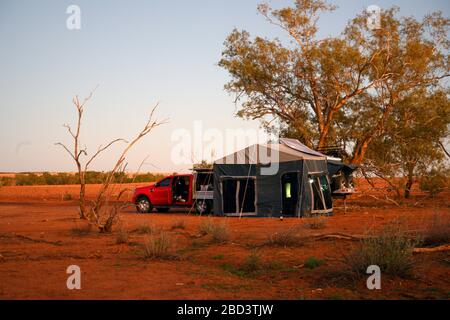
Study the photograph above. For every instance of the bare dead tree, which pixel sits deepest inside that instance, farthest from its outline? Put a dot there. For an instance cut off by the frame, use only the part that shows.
(77, 153)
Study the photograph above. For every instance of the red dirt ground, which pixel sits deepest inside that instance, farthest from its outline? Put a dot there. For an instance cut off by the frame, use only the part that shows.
(37, 244)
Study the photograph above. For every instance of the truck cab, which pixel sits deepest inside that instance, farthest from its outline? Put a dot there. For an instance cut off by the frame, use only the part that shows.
(177, 191)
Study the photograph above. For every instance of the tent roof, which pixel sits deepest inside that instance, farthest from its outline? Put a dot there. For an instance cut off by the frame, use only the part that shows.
(266, 153)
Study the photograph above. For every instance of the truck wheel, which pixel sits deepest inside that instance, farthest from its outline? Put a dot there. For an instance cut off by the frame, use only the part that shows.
(143, 205)
(203, 207)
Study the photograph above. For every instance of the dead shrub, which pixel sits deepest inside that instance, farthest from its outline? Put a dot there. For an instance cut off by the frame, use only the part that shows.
(218, 231)
(158, 246)
(391, 250)
(284, 238)
(316, 222)
(437, 232)
(178, 224)
(121, 236)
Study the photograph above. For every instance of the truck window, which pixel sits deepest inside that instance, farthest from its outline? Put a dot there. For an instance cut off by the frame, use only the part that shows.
(164, 183)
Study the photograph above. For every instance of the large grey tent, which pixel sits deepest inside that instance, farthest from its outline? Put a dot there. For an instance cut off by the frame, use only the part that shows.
(272, 180)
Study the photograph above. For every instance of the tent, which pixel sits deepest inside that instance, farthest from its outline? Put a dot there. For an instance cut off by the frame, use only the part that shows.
(272, 180)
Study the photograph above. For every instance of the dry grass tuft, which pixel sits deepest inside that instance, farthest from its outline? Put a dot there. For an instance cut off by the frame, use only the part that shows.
(218, 231)
(178, 224)
(121, 236)
(81, 228)
(147, 229)
(391, 250)
(437, 232)
(158, 246)
(316, 223)
(285, 238)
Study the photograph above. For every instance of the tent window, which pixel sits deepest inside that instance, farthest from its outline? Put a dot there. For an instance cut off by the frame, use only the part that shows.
(321, 194)
(238, 195)
(287, 187)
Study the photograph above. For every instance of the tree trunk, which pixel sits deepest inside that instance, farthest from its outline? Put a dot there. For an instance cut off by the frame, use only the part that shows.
(409, 182)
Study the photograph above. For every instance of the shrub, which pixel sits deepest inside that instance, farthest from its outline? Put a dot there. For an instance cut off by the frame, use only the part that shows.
(157, 246)
(391, 250)
(67, 196)
(284, 238)
(178, 224)
(434, 182)
(313, 262)
(252, 263)
(437, 232)
(147, 229)
(121, 236)
(316, 222)
(218, 231)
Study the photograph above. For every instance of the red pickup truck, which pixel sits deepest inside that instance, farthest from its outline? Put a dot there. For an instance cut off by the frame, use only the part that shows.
(177, 191)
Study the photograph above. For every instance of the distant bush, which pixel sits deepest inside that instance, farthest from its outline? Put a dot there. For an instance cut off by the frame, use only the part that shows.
(434, 182)
(61, 178)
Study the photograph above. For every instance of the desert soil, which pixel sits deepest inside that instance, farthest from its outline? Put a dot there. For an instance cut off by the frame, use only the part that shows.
(39, 240)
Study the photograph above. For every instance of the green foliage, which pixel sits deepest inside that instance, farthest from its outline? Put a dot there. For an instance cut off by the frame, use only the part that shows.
(313, 262)
(338, 90)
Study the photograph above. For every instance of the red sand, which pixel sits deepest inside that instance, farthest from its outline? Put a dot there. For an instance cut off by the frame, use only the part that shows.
(37, 245)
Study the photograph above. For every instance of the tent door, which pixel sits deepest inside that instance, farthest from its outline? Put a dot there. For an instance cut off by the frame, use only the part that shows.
(290, 192)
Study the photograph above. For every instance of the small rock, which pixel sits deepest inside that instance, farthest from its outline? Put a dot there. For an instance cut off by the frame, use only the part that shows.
(179, 284)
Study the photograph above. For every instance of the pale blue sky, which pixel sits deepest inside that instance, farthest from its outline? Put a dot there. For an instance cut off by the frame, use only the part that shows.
(139, 52)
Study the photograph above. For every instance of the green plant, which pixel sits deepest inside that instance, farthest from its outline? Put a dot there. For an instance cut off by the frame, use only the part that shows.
(218, 257)
(158, 246)
(391, 250)
(313, 262)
